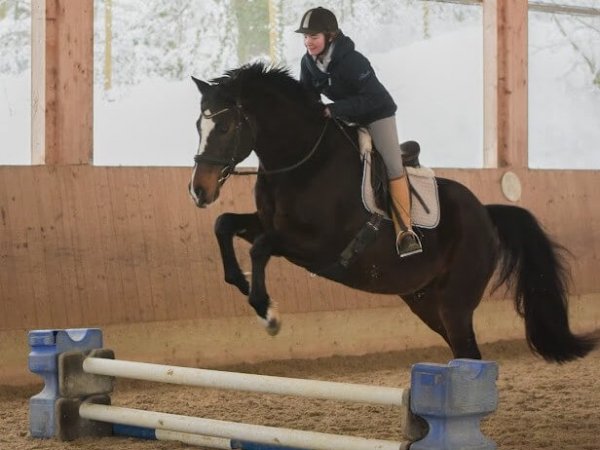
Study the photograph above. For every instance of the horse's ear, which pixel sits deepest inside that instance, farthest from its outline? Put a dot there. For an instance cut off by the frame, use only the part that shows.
(202, 85)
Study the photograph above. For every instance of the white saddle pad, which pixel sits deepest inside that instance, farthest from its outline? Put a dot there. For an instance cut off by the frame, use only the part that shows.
(425, 214)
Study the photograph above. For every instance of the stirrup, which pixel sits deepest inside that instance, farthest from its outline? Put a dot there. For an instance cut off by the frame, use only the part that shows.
(408, 243)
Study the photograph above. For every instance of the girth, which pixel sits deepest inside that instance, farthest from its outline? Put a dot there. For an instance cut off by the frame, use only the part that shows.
(365, 237)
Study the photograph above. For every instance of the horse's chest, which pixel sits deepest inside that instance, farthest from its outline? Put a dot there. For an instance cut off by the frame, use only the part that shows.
(302, 213)
(295, 217)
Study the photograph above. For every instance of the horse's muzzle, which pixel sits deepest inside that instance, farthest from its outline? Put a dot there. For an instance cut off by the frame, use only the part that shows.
(205, 186)
(198, 196)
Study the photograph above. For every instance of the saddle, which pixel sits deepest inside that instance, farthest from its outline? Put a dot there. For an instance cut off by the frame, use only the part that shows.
(425, 205)
(425, 210)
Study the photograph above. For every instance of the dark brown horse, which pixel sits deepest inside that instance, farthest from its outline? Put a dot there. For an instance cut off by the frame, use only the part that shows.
(309, 209)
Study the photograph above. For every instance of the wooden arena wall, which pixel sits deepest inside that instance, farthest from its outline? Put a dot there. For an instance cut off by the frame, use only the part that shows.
(120, 245)
(125, 249)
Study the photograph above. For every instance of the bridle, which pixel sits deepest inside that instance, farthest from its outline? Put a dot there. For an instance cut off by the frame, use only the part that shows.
(229, 164)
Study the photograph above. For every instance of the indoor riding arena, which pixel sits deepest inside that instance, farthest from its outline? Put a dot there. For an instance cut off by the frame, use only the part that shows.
(98, 230)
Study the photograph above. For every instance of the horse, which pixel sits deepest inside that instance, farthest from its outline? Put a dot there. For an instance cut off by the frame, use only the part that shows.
(309, 208)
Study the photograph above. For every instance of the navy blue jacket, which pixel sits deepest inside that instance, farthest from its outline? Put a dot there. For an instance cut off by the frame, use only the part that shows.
(350, 82)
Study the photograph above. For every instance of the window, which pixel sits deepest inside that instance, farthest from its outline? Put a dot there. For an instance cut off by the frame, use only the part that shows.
(15, 82)
(564, 85)
(145, 104)
(428, 54)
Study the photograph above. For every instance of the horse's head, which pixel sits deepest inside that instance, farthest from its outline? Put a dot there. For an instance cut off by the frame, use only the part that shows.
(225, 140)
(253, 106)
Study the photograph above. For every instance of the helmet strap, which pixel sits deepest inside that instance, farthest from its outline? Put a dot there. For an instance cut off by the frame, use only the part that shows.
(329, 38)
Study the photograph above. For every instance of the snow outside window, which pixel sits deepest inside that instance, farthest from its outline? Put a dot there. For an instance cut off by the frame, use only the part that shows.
(428, 55)
(564, 88)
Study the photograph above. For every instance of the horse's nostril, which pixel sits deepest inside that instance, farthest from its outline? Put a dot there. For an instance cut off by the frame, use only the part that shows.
(196, 193)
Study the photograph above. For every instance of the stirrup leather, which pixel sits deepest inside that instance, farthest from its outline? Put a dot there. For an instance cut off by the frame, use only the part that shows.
(408, 243)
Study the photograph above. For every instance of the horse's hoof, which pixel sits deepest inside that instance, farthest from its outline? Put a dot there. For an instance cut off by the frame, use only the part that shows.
(273, 327)
(272, 322)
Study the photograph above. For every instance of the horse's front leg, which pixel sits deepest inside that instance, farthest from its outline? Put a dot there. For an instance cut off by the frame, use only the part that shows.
(260, 253)
(228, 225)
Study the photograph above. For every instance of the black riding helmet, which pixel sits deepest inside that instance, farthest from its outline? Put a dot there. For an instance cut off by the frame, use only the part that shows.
(318, 20)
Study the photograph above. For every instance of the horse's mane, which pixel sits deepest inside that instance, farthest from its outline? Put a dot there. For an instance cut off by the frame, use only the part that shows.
(250, 78)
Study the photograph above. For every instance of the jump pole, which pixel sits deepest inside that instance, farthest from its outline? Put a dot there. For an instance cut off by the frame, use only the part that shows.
(233, 430)
(79, 375)
(191, 439)
(189, 427)
(267, 384)
(192, 429)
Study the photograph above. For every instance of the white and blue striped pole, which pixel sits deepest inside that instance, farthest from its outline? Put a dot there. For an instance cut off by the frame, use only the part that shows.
(192, 439)
(267, 435)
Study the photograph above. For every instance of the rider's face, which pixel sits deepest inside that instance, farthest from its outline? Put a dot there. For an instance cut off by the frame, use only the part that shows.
(314, 43)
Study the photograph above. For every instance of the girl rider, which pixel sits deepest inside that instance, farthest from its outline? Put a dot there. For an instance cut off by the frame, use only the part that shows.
(333, 67)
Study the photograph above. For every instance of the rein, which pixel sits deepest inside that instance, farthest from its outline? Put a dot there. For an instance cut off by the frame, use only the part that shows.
(299, 163)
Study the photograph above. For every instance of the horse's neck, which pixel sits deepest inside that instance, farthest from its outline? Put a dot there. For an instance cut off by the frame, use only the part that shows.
(284, 143)
(309, 153)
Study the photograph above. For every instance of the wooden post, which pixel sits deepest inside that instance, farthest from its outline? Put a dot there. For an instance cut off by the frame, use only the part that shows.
(505, 83)
(273, 31)
(62, 82)
(252, 28)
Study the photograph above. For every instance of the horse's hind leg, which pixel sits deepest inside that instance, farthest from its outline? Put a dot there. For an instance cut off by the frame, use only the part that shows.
(228, 225)
(424, 305)
(448, 311)
(459, 297)
(461, 335)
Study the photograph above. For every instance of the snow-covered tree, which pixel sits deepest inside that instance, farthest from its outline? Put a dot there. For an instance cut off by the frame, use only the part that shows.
(15, 36)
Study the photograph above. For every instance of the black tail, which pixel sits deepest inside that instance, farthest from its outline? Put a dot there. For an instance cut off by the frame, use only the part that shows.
(534, 264)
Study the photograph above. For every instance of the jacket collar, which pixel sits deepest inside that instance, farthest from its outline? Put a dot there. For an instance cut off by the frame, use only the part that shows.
(322, 61)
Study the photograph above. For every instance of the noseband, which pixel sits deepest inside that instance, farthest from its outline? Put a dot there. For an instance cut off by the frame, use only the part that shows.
(229, 164)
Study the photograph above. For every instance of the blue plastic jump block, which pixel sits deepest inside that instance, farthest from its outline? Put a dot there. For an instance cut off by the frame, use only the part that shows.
(453, 399)
(45, 347)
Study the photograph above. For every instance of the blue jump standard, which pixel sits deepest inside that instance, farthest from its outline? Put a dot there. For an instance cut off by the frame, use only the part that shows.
(150, 434)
